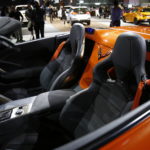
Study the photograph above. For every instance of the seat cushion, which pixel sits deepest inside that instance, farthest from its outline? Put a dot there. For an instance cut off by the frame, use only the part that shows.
(85, 112)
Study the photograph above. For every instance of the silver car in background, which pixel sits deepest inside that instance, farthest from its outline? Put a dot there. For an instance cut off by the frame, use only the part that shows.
(79, 14)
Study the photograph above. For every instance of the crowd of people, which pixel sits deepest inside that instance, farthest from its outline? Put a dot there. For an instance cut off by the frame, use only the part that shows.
(36, 15)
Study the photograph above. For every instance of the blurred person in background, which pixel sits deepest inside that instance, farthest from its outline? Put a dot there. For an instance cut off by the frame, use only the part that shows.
(55, 10)
(116, 14)
(16, 14)
(100, 12)
(38, 20)
(106, 12)
(28, 15)
(51, 13)
(64, 15)
(4, 11)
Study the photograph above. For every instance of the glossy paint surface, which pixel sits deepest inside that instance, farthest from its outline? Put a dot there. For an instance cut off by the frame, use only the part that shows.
(104, 42)
(136, 138)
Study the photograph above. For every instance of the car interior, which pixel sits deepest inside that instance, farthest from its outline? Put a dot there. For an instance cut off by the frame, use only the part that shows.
(19, 80)
(57, 117)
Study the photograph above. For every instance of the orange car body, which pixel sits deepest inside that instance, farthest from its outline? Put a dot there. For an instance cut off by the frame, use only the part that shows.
(104, 43)
(136, 138)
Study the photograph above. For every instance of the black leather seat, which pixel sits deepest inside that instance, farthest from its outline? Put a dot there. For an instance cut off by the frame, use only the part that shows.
(106, 100)
(63, 71)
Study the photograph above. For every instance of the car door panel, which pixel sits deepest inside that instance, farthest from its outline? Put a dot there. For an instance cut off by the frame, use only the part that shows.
(30, 54)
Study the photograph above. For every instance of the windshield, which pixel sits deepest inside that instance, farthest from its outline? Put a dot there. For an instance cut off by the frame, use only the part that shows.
(146, 10)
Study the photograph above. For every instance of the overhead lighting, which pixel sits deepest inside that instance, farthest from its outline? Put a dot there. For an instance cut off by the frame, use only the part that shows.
(129, 5)
(97, 3)
(81, 1)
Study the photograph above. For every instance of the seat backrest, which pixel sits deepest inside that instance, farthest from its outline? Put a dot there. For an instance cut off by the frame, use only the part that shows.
(106, 100)
(126, 61)
(60, 73)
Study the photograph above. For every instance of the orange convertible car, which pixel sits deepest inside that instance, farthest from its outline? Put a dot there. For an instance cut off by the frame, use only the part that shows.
(92, 92)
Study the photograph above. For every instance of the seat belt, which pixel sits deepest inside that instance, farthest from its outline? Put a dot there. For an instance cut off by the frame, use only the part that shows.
(138, 94)
(58, 50)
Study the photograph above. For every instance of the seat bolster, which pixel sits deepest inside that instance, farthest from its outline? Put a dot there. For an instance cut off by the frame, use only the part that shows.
(100, 71)
(76, 36)
(48, 73)
(76, 107)
(51, 101)
(70, 76)
(60, 81)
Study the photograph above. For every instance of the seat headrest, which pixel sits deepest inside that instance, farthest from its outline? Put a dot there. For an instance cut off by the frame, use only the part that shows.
(129, 55)
(76, 38)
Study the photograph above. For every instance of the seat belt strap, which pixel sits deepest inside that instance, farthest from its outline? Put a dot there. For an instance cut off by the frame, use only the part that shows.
(138, 94)
(58, 50)
(148, 56)
(111, 73)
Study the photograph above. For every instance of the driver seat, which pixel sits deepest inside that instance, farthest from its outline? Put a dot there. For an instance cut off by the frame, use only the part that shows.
(61, 72)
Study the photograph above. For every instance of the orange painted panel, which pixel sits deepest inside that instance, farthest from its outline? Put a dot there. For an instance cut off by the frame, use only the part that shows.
(137, 138)
(58, 50)
(148, 56)
(144, 31)
(99, 53)
(105, 39)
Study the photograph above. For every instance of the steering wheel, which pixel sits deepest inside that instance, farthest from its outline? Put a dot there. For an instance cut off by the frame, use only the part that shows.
(7, 43)
(7, 48)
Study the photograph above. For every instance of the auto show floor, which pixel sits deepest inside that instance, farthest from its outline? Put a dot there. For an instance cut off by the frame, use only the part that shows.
(58, 26)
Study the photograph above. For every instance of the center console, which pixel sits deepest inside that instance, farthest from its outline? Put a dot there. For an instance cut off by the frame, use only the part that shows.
(16, 117)
(15, 112)
(14, 109)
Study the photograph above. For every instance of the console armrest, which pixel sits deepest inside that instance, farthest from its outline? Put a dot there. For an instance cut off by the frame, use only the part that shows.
(16, 117)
